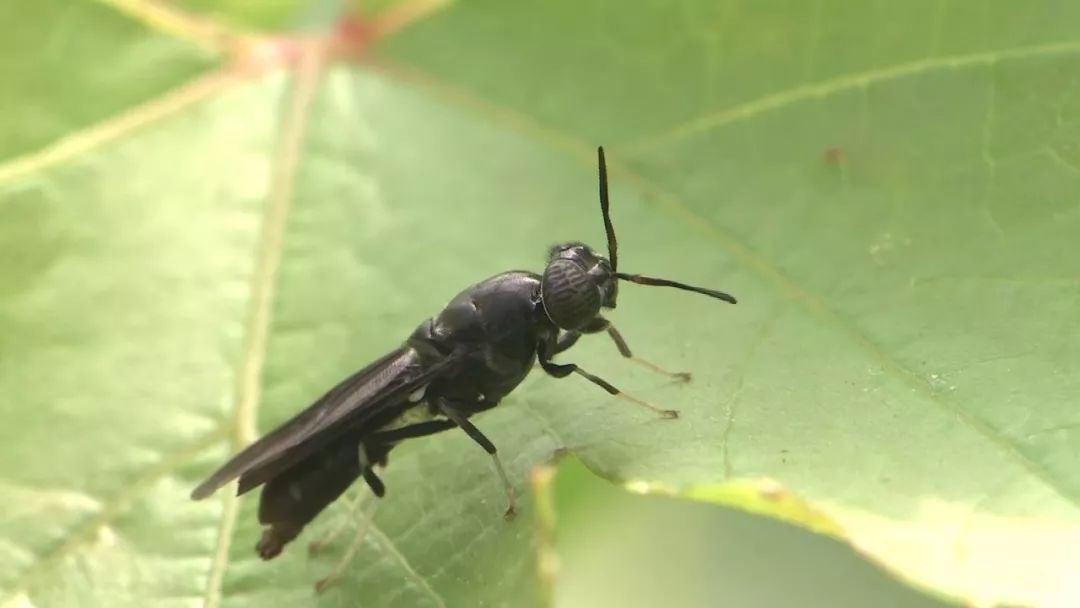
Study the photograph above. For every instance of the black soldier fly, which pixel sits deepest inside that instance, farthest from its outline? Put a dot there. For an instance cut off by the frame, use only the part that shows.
(459, 363)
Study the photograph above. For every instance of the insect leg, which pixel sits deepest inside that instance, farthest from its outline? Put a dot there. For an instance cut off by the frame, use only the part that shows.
(351, 505)
(569, 338)
(358, 539)
(385, 437)
(373, 481)
(475, 434)
(565, 369)
(565, 341)
(377, 488)
(624, 350)
(420, 429)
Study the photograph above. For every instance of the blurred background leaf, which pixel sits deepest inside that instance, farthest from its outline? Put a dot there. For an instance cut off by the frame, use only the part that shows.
(618, 549)
(205, 223)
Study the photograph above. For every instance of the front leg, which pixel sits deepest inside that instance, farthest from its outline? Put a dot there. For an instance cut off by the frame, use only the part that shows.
(569, 338)
(624, 350)
(563, 370)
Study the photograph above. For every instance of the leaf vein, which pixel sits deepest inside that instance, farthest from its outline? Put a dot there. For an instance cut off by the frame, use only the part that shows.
(578, 149)
(826, 88)
(391, 548)
(186, 95)
(813, 304)
(203, 32)
(760, 336)
(111, 509)
(264, 283)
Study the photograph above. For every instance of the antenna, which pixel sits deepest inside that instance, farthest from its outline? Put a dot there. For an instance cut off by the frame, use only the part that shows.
(655, 282)
(613, 246)
(605, 210)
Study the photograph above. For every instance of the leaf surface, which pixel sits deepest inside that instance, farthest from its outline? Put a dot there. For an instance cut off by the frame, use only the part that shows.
(891, 192)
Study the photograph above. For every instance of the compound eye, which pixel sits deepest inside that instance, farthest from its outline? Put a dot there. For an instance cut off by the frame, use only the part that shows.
(570, 296)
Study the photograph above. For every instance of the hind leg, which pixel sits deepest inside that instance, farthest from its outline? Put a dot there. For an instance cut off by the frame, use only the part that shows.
(352, 506)
(382, 441)
(342, 566)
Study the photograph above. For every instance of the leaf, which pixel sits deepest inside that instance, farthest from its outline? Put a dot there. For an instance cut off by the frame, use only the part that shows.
(44, 105)
(688, 553)
(890, 191)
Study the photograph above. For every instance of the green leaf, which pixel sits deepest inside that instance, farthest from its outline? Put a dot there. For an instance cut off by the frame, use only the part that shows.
(891, 191)
(59, 81)
(689, 553)
(264, 14)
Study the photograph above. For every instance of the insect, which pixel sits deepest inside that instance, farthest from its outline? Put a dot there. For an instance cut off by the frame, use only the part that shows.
(461, 362)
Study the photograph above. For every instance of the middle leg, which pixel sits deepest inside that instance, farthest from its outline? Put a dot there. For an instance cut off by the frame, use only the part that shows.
(474, 433)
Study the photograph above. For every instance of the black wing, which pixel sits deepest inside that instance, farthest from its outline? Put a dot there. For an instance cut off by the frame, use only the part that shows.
(387, 381)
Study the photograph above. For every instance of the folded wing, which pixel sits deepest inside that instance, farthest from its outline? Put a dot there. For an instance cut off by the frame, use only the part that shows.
(345, 407)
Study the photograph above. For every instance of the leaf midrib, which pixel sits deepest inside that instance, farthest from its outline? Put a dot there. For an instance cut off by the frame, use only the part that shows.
(286, 158)
(210, 35)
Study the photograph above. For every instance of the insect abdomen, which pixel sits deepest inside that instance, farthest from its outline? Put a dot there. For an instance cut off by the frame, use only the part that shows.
(292, 499)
